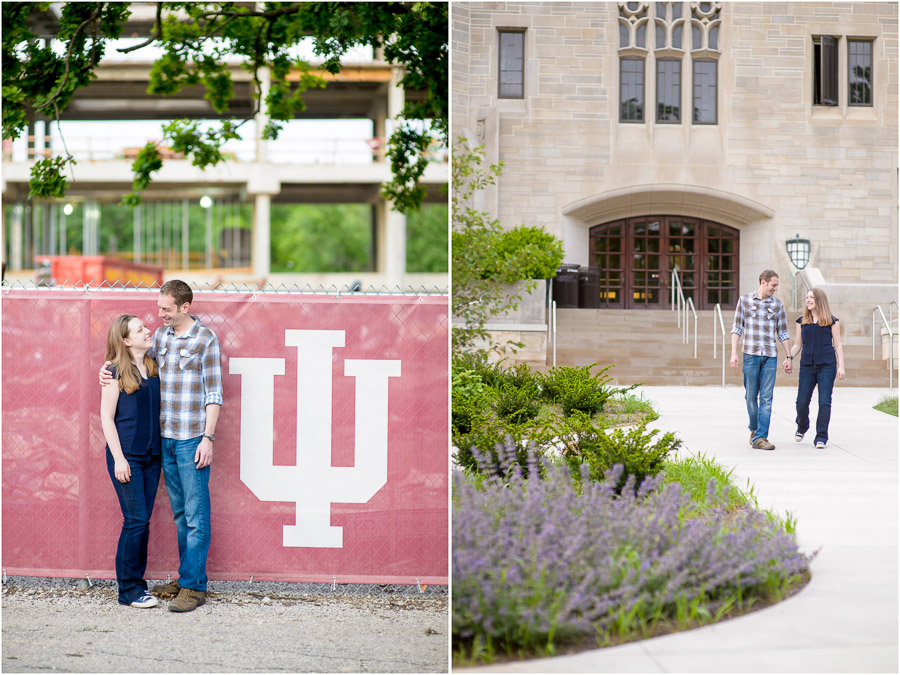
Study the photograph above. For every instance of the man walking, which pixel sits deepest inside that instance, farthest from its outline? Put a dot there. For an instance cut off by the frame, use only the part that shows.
(759, 317)
(188, 355)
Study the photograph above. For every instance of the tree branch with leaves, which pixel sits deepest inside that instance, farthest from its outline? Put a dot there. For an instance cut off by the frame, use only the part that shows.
(197, 38)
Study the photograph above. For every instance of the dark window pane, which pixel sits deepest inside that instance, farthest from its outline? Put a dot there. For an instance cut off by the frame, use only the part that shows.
(512, 66)
(676, 37)
(668, 91)
(623, 35)
(714, 37)
(640, 229)
(860, 72)
(825, 70)
(641, 40)
(660, 37)
(676, 10)
(705, 92)
(654, 228)
(631, 90)
(697, 40)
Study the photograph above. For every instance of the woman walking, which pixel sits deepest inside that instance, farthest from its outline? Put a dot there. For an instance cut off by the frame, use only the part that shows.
(819, 338)
(129, 414)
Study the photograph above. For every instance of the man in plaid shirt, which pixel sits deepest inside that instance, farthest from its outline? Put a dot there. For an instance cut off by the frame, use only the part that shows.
(190, 373)
(759, 317)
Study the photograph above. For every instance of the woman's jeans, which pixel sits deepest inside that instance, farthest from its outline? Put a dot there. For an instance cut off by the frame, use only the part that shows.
(810, 376)
(759, 383)
(188, 489)
(136, 497)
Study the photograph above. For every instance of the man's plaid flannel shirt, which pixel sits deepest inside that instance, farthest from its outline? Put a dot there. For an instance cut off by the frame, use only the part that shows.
(190, 375)
(761, 323)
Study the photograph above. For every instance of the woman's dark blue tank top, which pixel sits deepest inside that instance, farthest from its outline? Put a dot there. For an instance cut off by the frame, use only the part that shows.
(137, 419)
(818, 345)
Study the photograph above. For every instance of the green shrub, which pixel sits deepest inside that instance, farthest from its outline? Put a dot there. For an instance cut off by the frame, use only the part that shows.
(541, 251)
(636, 450)
(518, 403)
(488, 439)
(578, 389)
(469, 402)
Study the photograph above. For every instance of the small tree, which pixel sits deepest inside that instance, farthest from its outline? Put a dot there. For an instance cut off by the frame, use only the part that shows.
(486, 260)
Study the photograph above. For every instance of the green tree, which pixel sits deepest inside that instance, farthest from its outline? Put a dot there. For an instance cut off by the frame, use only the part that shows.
(485, 258)
(196, 38)
(426, 239)
(321, 238)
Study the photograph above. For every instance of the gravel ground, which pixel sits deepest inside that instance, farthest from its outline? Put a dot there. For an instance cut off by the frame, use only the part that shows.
(52, 625)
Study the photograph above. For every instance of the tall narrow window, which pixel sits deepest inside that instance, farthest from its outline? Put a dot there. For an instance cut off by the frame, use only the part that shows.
(860, 72)
(825, 70)
(705, 92)
(668, 91)
(631, 90)
(512, 64)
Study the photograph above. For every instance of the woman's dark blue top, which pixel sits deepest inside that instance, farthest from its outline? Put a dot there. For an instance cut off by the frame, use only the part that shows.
(818, 345)
(137, 419)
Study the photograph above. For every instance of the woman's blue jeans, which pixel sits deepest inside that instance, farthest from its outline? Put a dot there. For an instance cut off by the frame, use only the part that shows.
(188, 489)
(759, 383)
(822, 375)
(136, 497)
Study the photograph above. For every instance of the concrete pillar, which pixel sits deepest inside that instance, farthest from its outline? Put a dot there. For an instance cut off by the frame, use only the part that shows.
(391, 244)
(262, 257)
(15, 238)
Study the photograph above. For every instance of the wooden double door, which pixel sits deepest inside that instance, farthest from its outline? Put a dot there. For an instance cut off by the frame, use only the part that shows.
(636, 256)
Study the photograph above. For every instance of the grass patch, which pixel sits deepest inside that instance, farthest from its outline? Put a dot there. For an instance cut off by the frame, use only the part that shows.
(887, 405)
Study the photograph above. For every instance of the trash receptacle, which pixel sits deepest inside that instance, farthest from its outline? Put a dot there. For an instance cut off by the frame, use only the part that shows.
(565, 286)
(589, 288)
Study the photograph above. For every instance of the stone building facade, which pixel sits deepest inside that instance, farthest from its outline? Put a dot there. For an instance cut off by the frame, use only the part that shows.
(649, 135)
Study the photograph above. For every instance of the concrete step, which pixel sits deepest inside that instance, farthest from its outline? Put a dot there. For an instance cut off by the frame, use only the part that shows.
(646, 346)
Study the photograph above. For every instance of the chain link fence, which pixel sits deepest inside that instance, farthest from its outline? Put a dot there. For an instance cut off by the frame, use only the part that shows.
(61, 518)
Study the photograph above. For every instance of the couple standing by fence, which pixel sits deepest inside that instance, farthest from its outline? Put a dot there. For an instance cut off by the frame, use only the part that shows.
(760, 319)
(162, 416)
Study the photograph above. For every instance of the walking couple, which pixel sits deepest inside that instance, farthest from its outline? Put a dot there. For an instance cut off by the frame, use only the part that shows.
(760, 319)
(162, 415)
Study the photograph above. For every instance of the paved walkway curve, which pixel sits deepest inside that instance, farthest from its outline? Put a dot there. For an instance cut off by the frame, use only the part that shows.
(844, 499)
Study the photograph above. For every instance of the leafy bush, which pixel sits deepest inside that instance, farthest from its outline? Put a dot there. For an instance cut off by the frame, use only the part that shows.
(539, 562)
(518, 403)
(541, 251)
(635, 450)
(469, 401)
(578, 389)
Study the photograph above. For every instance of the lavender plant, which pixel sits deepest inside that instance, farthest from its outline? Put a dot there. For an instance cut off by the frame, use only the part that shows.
(540, 562)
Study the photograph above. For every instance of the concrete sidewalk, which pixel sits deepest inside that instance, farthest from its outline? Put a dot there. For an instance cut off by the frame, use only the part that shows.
(844, 499)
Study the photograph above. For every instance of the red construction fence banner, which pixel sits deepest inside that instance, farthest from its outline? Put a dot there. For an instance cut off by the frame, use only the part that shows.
(331, 454)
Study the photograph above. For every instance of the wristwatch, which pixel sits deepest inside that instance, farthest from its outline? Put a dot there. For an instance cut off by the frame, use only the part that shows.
(211, 437)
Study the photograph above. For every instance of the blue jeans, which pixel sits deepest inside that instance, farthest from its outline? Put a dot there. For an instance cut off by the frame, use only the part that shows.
(759, 383)
(809, 377)
(136, 498)
(188, 489)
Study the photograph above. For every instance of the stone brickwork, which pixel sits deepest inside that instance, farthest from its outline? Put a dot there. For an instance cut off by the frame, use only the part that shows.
(774, 165)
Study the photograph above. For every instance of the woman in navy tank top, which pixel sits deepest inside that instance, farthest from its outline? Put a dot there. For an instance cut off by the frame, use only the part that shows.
(129, 414)
(819, 337)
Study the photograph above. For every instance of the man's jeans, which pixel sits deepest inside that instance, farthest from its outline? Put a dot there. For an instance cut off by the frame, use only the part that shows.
(810, 376)
(759, 383)
(188, 489)
(136, 497)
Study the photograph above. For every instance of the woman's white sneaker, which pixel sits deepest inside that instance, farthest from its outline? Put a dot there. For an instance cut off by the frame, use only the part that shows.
(145, 601)
(820, 445)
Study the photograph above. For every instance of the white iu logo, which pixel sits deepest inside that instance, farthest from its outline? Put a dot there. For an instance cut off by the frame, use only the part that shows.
(313, 484)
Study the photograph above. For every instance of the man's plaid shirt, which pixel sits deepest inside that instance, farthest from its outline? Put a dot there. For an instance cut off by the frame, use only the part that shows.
(761, 322)
(190, 378)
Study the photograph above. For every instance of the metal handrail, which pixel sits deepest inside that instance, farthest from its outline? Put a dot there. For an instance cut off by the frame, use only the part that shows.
(718, 315)
(797, 304)
(890, 343)
(683, 305)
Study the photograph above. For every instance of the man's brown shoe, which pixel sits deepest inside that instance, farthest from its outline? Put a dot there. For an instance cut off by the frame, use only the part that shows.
(763, 444)
(188, 600)
(751, 439)
(170, 588)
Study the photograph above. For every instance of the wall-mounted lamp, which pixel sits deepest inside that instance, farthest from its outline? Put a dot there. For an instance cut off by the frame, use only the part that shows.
(798, 250)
